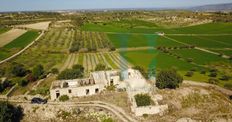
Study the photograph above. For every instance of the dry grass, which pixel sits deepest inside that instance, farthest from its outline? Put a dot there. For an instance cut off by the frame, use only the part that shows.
(197, 103)
(10, 35)
(37, 26)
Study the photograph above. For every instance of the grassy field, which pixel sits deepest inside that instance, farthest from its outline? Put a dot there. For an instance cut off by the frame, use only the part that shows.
(153, 58)
(206, 41)
(122, 40)
(199, 57)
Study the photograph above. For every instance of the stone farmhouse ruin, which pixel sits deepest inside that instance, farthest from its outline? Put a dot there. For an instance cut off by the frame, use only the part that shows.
(130, 80)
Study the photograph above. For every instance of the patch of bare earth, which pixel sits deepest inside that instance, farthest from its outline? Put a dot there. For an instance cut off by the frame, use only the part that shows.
(193, 103)
(38, 26)
(10, 35)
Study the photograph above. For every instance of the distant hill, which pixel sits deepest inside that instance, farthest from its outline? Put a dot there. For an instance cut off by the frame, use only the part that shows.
(214, 7)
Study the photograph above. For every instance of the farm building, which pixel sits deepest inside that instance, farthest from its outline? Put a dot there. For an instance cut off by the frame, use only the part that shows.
(131, 79)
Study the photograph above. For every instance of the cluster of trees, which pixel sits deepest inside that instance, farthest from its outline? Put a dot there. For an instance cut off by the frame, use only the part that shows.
(10, 113)
(18, 73)
(77, 71)
(168, 79)
(143, 99)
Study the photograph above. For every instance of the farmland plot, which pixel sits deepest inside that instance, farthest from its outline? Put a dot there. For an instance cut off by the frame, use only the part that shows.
(10, 35)
(17, 44)
(37, 26)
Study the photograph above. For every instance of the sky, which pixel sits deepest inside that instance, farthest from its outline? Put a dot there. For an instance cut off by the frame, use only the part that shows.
(34, 5)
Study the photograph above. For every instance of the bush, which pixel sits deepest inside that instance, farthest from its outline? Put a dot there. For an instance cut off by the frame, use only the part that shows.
(213, 74)
(143, 100)
(189, 74)
(5, 84)
(64, 98)
(38, 71)
(213, 81)
(18, 70)
(189, 60)
(100, 67)
(202, 72)
(9, 113)
(76, 72)
(225, 78)
(23, 82)
(54, 71)
(168, 79)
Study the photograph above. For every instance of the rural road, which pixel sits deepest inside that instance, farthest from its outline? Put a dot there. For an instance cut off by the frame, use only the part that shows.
(21, 51)
(117, 111)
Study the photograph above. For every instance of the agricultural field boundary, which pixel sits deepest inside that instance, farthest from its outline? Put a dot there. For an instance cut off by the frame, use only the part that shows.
(21, 51)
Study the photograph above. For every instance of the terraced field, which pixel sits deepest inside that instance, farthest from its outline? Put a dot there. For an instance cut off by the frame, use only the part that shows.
(112, 60)
(50, 51)
(91, 41)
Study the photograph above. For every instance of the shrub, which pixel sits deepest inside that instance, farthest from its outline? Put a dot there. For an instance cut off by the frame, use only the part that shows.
(10, 113)
(18, 70)
(202, 72)
(213, 74)
(54, 71)
(189, 74)
(168, 79)
(64, 98)
(143, 99)
(100, 67)
(23, 82)
(213, 81)
(189, 60)
(38, 71)
(225, 78)
(76, 72)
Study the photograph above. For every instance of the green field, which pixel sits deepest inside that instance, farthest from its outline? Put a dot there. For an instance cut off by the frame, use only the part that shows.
(23, 40)
(210, 28)
(199, 57)
(152, 58)
(17, 44)
(122, 40)
(206, 41)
